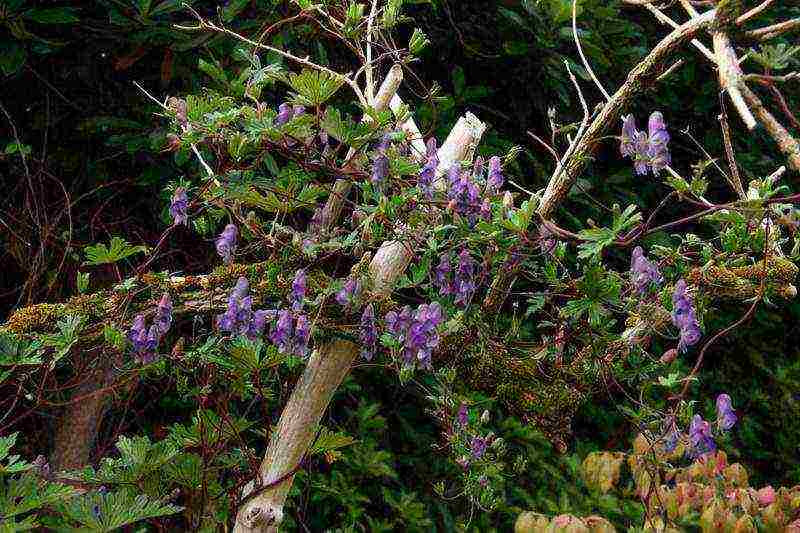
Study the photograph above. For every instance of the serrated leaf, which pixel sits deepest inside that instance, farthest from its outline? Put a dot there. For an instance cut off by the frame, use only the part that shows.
(314, 87)
(117, 250)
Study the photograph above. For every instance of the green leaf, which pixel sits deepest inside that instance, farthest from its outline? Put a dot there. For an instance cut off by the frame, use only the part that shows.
(113, 510)
(314, 87)
(329, 440)
(214, 70)
(53, 15)
(418, 42)
(16, 351)
(12, 57)
(117, 250)
(17, 148)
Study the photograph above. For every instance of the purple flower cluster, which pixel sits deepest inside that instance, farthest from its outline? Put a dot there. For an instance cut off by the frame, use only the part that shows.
(226, 243)
(464, 195)
(179, 206)
(428, 172)
(649, 150)
(462, 417)
(643, 272)
(291, 333)
(369, 333)
(701, 434)
(478, 447)
(416, 332)
(495, 180)
(239, 317)
(349, 292)
(462, 283)
(286, 112)
(684, 317)
(145, 340)
(293, 330)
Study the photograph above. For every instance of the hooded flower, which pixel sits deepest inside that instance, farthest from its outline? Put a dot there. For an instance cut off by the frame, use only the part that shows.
(495, 180)
(726, 417)
(644, 273)
(226, 243)
(649, 151)
(299, 286)
(428, 172)
(178, 207)
(684, 317)
(700, 438)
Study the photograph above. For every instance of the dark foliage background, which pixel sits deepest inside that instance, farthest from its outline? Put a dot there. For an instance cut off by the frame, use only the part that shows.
(97, 168)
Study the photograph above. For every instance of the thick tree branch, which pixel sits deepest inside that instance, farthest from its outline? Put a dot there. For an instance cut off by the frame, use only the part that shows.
(637, 82)
(327, 368)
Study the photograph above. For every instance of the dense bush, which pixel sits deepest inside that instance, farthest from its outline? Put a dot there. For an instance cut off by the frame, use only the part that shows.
(534, 333)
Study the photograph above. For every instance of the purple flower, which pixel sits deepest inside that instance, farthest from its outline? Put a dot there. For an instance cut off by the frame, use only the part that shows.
(260, 318)
(428, 172)
(163, 319)
(145, 340)
(417, 331)
(464, 195)
(380, 169)
(298, 110)
(477, 447)
(368, 333)
(398, 323)
(315, 224)
(726, 417)
(486, 210)
(684, 317)
(700, 438)
(649, 150)
(643, 272)
(629, 133)
(239, 318)
(285, 114)
(463, 415)
(302, 334)
(226, 243)
(282, 335)
(464, 283)
(178, 207)
(351, 289)
(137, 327)
(441, 275)
(658, 138)
(298, 290)
(495, 180)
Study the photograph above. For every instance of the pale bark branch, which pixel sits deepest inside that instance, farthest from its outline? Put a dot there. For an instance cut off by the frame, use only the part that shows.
(785, 141)
(326, 369)
(638, 80)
